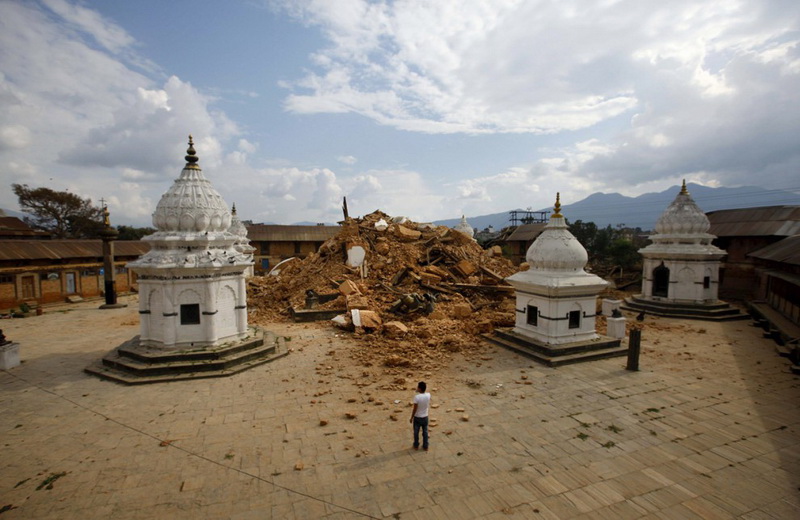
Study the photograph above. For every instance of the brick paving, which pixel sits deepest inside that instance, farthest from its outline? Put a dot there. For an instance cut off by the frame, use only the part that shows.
(707, 429)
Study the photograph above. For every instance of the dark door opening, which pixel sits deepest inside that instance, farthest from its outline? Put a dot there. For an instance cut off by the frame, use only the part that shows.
(661, 281)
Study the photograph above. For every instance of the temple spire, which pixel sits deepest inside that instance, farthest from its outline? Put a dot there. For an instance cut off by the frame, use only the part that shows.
(191, 155)
(684, 191)
(557, 207)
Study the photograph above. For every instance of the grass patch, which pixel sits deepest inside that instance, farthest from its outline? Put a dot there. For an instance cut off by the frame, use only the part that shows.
(49, 481)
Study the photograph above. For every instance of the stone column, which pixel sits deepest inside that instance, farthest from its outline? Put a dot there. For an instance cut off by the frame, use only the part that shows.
(108, 235)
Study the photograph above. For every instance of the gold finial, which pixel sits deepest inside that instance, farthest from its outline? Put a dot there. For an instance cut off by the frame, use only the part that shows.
(106, 219)
(684, 191)
(233, 210)
(557, 207)
(191, 155)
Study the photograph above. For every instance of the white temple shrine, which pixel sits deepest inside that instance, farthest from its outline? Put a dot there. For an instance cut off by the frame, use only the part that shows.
(191, 282)
(681, 268)
(556, 301)
(465, 228)
(192, 294)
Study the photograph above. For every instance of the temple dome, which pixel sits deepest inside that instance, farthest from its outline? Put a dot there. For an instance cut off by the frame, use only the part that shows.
(191, 204)
(465, 227)
(683, 217)
(556, 249)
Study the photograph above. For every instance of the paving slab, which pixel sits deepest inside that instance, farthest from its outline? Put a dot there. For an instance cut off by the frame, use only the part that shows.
(708, 428)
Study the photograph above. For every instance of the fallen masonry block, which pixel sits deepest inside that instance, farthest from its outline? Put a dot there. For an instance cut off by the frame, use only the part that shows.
(404, 233)
(382, 248)
(348, 287)
(462, 310)
(355, 255)
(394, 329)
(366, 319)
(465, 267)
(356, 301)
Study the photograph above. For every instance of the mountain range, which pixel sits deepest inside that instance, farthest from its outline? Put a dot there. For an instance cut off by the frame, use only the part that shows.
(614, 209)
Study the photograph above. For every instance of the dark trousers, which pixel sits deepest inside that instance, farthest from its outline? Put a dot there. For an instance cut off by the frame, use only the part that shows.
(421, 422)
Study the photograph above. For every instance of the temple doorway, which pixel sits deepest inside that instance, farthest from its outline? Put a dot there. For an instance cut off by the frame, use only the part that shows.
(661, 281)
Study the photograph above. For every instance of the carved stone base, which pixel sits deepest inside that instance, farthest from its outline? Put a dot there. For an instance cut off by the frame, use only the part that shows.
(133, 364)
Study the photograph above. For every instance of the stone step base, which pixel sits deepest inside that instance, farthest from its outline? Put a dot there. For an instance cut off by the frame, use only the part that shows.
(715, 312)
(134, 364)
(557, 355)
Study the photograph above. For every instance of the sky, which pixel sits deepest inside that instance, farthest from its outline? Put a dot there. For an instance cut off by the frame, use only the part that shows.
(426, 109)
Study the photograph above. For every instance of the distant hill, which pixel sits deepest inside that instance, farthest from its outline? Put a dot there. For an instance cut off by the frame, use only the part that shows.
(12, 213)
(643, 211)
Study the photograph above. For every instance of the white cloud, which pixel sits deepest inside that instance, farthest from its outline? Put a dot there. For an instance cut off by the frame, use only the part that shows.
(89, 22)
(14, 136)
(347, 159)
(711, 87)
(76, 117)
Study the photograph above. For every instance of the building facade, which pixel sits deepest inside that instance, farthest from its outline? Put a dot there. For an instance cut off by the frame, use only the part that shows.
(49, 271)
(274, 243)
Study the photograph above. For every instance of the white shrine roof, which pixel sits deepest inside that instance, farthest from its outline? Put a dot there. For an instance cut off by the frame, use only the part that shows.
(465, 227)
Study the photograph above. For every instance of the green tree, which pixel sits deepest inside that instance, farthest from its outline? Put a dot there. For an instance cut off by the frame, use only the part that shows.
(624, 253)
(585, 232)
(63, 214)
(133, 233)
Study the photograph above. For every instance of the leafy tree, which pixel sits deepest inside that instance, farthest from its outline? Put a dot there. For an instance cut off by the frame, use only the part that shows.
(133, 233)
(63, 214)
(624, 253)
(585, 232)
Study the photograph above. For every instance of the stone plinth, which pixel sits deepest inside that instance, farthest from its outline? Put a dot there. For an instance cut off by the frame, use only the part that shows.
(9, 356)
(610, 305)
(615, 327)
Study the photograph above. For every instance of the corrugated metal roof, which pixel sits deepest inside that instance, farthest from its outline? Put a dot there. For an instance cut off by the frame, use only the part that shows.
(277, 233)
(58, 249)
(786, 251)
(753, 222)
(526, 232)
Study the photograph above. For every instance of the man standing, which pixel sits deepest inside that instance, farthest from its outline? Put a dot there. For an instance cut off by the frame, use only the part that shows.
(419, 415)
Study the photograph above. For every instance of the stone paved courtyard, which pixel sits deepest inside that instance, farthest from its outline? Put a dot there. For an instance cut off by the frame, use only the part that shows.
(707, 429)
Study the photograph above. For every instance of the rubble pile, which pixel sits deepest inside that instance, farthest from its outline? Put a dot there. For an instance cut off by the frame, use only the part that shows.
(411, 293)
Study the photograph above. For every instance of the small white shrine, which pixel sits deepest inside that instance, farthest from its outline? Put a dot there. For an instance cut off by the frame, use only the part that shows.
(192, 281)
(681, 265)
(465, 228)
(242, 243)
(556, 299)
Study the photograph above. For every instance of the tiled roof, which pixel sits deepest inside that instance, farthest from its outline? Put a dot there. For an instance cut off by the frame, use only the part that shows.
(58, 249)
(751, 222)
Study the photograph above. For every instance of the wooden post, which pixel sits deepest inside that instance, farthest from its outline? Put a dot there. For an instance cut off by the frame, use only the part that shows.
(634, 347)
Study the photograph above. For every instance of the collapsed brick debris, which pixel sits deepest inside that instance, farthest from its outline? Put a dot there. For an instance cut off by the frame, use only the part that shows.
(414, 294)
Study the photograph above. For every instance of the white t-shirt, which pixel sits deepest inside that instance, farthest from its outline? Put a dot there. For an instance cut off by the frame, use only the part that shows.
(422, 401)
